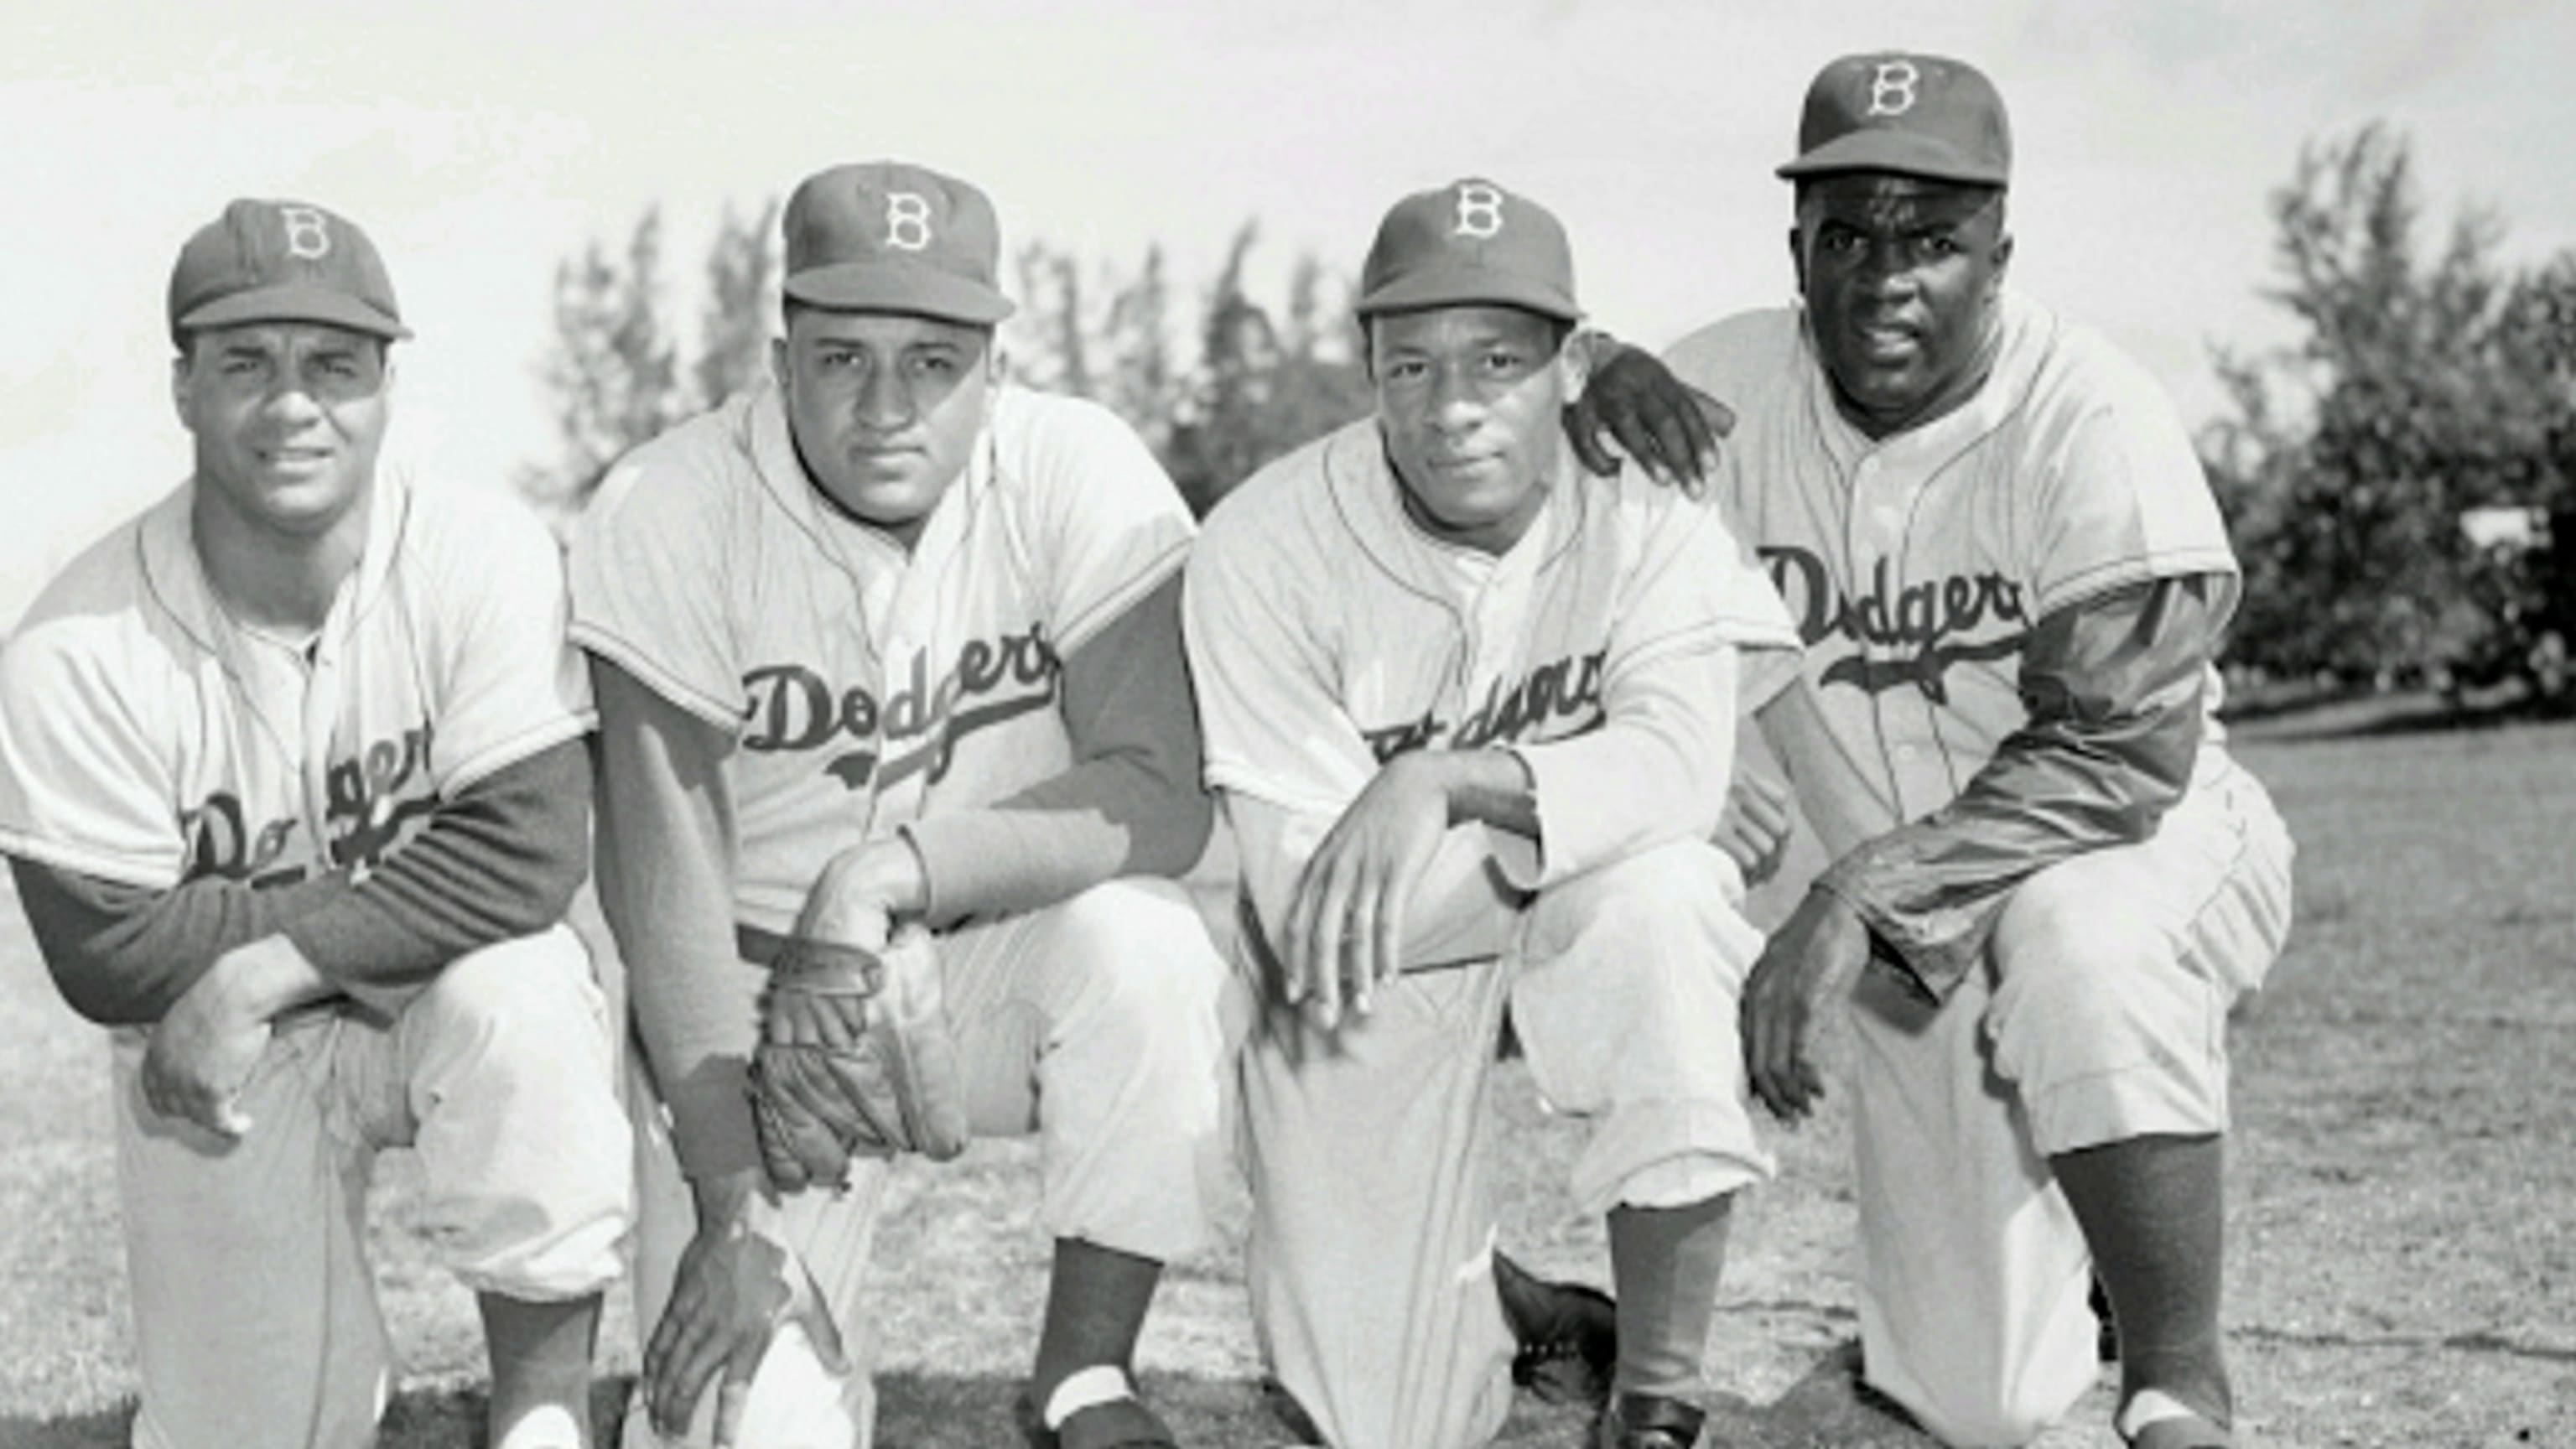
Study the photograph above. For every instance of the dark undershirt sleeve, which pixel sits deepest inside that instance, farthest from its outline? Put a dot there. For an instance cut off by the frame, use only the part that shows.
(1130, 804)
(2113, 686)
(123, 955)
(500, 859)
(668, 860)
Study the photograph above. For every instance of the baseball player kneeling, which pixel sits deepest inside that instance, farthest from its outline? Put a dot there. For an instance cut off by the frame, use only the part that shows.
(293, 786)
(2012, 582)
(1471, 719)
(897, 760)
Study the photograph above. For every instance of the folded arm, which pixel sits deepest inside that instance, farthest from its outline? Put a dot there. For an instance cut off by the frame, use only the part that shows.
(501, 858)
(1130, 803)
(2113, 686)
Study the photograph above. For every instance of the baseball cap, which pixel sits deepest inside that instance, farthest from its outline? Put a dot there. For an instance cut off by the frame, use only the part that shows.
(1919, 115)
(883, 236)
(1466, 243)
(282, 261)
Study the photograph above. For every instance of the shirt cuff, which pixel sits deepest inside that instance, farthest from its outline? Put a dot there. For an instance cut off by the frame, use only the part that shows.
(1931, 950)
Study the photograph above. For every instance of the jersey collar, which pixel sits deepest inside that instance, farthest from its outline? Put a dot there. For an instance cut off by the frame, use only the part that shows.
(175, 573)
(1367, 498)
(2027, 330)
(783, 477)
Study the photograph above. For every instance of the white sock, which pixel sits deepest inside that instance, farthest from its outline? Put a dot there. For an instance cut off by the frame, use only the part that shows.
(1083, 1388)
(2149, 1406)
(547, 1426)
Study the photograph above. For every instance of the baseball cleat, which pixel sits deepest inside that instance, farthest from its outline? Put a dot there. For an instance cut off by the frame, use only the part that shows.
(1567, 1335)
(2106, 1332)
(1291, 1415)
(1647, 1421)
(2190, 1431)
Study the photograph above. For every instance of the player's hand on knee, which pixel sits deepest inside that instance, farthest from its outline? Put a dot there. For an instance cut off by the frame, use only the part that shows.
(736, 1286)
(1345, 927)
(201, 1055)
(1806, 965)
(1754, 830)
(1632, 403)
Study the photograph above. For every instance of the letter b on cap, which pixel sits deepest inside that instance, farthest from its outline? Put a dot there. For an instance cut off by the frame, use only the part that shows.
(1892, 87)
(308, 232)
(1480, 210)
(907, 221)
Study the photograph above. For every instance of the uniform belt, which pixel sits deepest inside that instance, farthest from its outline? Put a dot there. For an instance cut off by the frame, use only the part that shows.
(757, 945)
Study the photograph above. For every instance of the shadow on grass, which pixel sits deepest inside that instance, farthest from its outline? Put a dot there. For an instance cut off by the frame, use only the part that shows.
(2371, 716)
(102, 1430)
(974, 1411)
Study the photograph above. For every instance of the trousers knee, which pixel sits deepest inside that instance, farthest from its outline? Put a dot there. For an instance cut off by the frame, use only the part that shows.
(1140, 961)
(535, 992)
(1682, 897)
(2099, 1023)
(524, 1147)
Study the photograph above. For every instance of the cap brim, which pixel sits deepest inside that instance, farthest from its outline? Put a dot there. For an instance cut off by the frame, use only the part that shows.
(912, 291)
(294, 303)
(1905, 153)
(1468, 287)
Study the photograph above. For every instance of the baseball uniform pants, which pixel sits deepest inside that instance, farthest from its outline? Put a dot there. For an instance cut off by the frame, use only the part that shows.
(2101, 1016)
(1094, 1024)
(1373, 1219)
(254, 1310)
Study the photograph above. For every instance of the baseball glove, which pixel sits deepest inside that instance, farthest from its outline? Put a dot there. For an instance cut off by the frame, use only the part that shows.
(889, 1085)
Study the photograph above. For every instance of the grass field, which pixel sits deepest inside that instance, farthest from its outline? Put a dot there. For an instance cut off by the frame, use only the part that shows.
(2403, 1252)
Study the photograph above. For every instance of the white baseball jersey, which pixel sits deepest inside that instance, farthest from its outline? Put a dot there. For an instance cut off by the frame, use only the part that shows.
(147, 738)
(866, 688)
(1916, 564)
(1329, 633)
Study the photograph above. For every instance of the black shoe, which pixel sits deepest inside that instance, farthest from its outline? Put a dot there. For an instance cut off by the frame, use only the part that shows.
(1568, 1335)
(1291, 1415)
(1647, 1421)
(2106, 1335)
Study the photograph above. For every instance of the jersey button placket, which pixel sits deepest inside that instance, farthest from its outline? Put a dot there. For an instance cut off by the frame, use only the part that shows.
(319, 719)
(1875, 531)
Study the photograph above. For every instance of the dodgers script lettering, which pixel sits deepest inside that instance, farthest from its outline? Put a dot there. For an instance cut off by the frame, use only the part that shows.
(792, 708)
(1554, 701)
(1931, 619)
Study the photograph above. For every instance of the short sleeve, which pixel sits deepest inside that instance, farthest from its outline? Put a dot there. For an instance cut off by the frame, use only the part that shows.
(2122, 497)
(1693, 587)
(1115, 526)
(1274, 725)
(82, 786)
(647, 575)
(512, 684)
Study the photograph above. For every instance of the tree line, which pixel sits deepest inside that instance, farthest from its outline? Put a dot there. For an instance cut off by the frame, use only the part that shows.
(1250, 381)
(2399, 480)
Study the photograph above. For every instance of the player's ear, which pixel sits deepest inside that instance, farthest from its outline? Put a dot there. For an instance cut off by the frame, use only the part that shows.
(179, 386)
(778, 362)
(1574, 361)
(1798, 257)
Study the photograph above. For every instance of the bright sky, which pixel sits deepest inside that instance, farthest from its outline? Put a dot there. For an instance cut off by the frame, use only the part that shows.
(480, 141)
